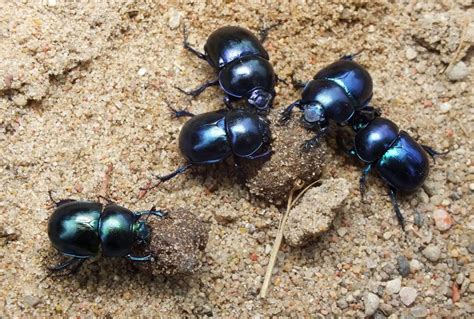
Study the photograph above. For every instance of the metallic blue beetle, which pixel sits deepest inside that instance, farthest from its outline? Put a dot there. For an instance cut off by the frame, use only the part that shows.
(212, 137)
(82, 230)
(243, 66)
(340, 92)
(400, 161)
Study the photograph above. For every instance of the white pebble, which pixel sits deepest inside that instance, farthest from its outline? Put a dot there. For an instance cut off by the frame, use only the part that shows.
(445, 107)
(393, 286)
(432, 252)
(411, 53)
(20, 100)
(415, 265)
(443, 220)
(458, 72)
(141, 71)
(174, 20)
(419, 311)
(371, 303)
(408, 295)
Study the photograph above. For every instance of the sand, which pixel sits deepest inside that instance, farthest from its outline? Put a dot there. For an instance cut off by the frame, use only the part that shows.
(83, 86)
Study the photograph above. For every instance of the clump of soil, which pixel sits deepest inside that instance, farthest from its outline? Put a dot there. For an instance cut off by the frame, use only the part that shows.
(177, 244)
(314, 214)
(274, 178)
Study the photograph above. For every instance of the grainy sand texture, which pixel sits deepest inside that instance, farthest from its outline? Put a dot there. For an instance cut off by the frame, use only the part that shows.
(87, 85)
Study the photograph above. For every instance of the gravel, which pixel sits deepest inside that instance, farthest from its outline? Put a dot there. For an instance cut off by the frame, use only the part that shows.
(403, 266)
(408, 295)
(432, 253)
(458, 72)
(371, 303)
(393, 286)
(443, 219)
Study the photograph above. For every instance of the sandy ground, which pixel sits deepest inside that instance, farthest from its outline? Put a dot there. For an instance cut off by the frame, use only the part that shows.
(83, 86)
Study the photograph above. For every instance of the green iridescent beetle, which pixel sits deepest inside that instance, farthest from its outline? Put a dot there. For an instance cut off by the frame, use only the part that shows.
(82, 229)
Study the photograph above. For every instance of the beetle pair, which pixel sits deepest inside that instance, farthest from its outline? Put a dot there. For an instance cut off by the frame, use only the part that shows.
(244, 72)
(341, 92)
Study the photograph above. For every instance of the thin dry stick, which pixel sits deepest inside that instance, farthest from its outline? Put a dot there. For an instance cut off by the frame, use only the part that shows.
(105, 187)
(279, 238)
(461, 42)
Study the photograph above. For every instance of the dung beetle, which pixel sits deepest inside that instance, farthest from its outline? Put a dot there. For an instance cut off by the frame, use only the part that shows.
(82, 229)
(244, 70)
(400, 161)
(212, 137)
(339, 92)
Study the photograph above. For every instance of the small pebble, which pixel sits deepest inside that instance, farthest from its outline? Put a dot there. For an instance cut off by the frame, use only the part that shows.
(20, 100)
(342, 303)
(445, 107)
(371, 303)
(408, 295)
(141, 71)
(458, 72)
(371, 263)
(460, 278)
(415, 265)
(411, 53)
(419, 311)
(471, 186)
(443, 220)
(174, 20)
(342, 231)
(432, 252)
(418, 217)
(379, 315)
(470, 247)
(393, 286)
(403, 266)
(465, 285)
(31, 301)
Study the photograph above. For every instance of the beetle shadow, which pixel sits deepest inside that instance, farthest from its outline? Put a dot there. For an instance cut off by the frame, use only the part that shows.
(113, 274)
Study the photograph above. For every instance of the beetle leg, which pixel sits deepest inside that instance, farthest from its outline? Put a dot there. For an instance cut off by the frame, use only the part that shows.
(139, 258)
(309, 144)
(264, 154)
(152, 211)
(297, 84)
(75, 261)
(179, 113)
(65, 264)
(350, 57)
(342, 143)
(279, 79)
(199, 89)
(286, 114)
(363, 180)
(191, 49)
(228, 102)
(263, 33)
(393, 197)
(61, 201)
(433, 153)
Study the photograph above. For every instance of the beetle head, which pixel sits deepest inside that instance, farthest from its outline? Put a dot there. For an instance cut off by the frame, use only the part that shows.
(261, 100)
(314, 115)
(142, 230)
